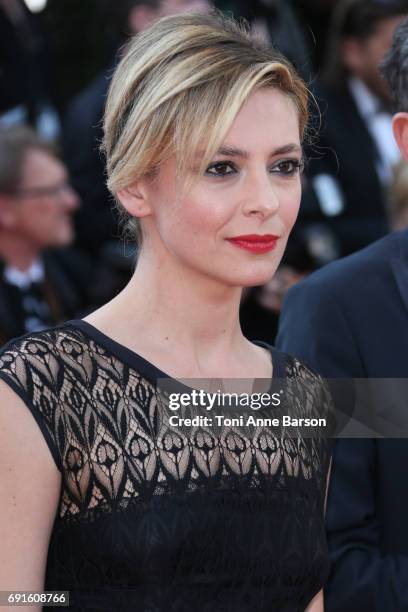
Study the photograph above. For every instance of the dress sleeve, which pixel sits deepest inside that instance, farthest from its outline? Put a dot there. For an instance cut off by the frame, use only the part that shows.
(26, 366)
(327, 410)
(313, 399)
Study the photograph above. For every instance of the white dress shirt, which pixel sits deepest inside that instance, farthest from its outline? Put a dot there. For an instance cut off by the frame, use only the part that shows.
(379, 124)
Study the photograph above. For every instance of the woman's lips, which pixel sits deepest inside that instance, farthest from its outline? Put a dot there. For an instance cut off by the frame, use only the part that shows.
(255, 243)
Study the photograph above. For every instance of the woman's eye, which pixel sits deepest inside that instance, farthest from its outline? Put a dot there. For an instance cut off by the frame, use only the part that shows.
(287, 167)
(220, 169)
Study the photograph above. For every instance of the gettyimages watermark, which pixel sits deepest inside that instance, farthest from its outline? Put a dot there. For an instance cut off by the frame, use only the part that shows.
(329, 408)
(233, 402)
(207, 400)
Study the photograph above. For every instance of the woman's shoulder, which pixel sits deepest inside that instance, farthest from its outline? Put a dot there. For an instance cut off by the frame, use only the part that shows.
(50, 336)
(308, 396)
(289, 366)
(304, 382)
(300, 369)
(41, 368)
(44, 348)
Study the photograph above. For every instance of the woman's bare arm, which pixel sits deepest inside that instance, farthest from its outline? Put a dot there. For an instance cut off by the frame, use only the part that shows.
(29, 485)
(327, 485)
(317, 603)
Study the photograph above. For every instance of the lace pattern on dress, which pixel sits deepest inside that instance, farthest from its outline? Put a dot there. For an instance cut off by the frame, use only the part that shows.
(104, 423)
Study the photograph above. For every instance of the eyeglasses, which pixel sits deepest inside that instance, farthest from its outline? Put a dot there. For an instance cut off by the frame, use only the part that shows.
(47, 191)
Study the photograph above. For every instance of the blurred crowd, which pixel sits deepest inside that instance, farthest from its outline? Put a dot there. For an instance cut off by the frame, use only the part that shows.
(62, 251)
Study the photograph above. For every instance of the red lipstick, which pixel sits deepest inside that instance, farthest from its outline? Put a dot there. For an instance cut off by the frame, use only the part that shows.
(255, 243)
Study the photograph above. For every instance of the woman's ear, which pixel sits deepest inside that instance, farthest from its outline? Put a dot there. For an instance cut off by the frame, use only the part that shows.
(135, 199)
(400, 128)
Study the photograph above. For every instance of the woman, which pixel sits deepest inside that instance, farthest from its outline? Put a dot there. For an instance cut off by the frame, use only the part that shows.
(203, 132)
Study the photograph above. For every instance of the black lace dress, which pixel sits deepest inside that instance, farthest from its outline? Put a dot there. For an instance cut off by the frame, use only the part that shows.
(152, 519)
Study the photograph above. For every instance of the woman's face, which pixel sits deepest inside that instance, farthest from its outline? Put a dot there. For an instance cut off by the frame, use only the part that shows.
(233, 224)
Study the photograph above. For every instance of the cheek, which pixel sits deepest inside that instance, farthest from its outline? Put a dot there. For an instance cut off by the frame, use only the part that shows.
(198, 217)
(32, 219)
(208, 218)
(51, 221)
(289, 205)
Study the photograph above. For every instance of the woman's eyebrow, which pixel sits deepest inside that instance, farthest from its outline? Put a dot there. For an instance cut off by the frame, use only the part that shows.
(235, 152)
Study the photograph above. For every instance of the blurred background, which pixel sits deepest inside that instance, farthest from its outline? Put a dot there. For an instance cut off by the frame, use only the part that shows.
(61, 248)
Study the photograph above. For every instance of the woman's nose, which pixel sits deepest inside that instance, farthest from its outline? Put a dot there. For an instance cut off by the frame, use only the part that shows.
(262, 197)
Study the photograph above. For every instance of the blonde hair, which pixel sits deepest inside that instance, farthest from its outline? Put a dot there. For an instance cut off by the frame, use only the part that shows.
(177, 90)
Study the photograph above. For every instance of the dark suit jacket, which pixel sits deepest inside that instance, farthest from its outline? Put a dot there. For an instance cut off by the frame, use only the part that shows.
(350, 319)
(67, 273)
(346, 151)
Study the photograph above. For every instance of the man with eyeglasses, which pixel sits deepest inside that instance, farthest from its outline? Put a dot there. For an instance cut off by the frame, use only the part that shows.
(41, 281)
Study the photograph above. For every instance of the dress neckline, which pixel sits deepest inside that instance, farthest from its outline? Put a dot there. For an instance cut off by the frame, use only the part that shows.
(151, 371)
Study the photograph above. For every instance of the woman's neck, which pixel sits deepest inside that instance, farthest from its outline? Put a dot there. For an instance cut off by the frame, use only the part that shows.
(182, 303)
(167, 306)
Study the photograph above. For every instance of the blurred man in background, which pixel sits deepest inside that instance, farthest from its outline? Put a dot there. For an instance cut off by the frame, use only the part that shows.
(41, 281)
(350, 320)
(351, 166)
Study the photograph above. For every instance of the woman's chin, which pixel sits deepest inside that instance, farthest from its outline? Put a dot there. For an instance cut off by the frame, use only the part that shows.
(262, 274)
(253, 279)
(256, 282)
